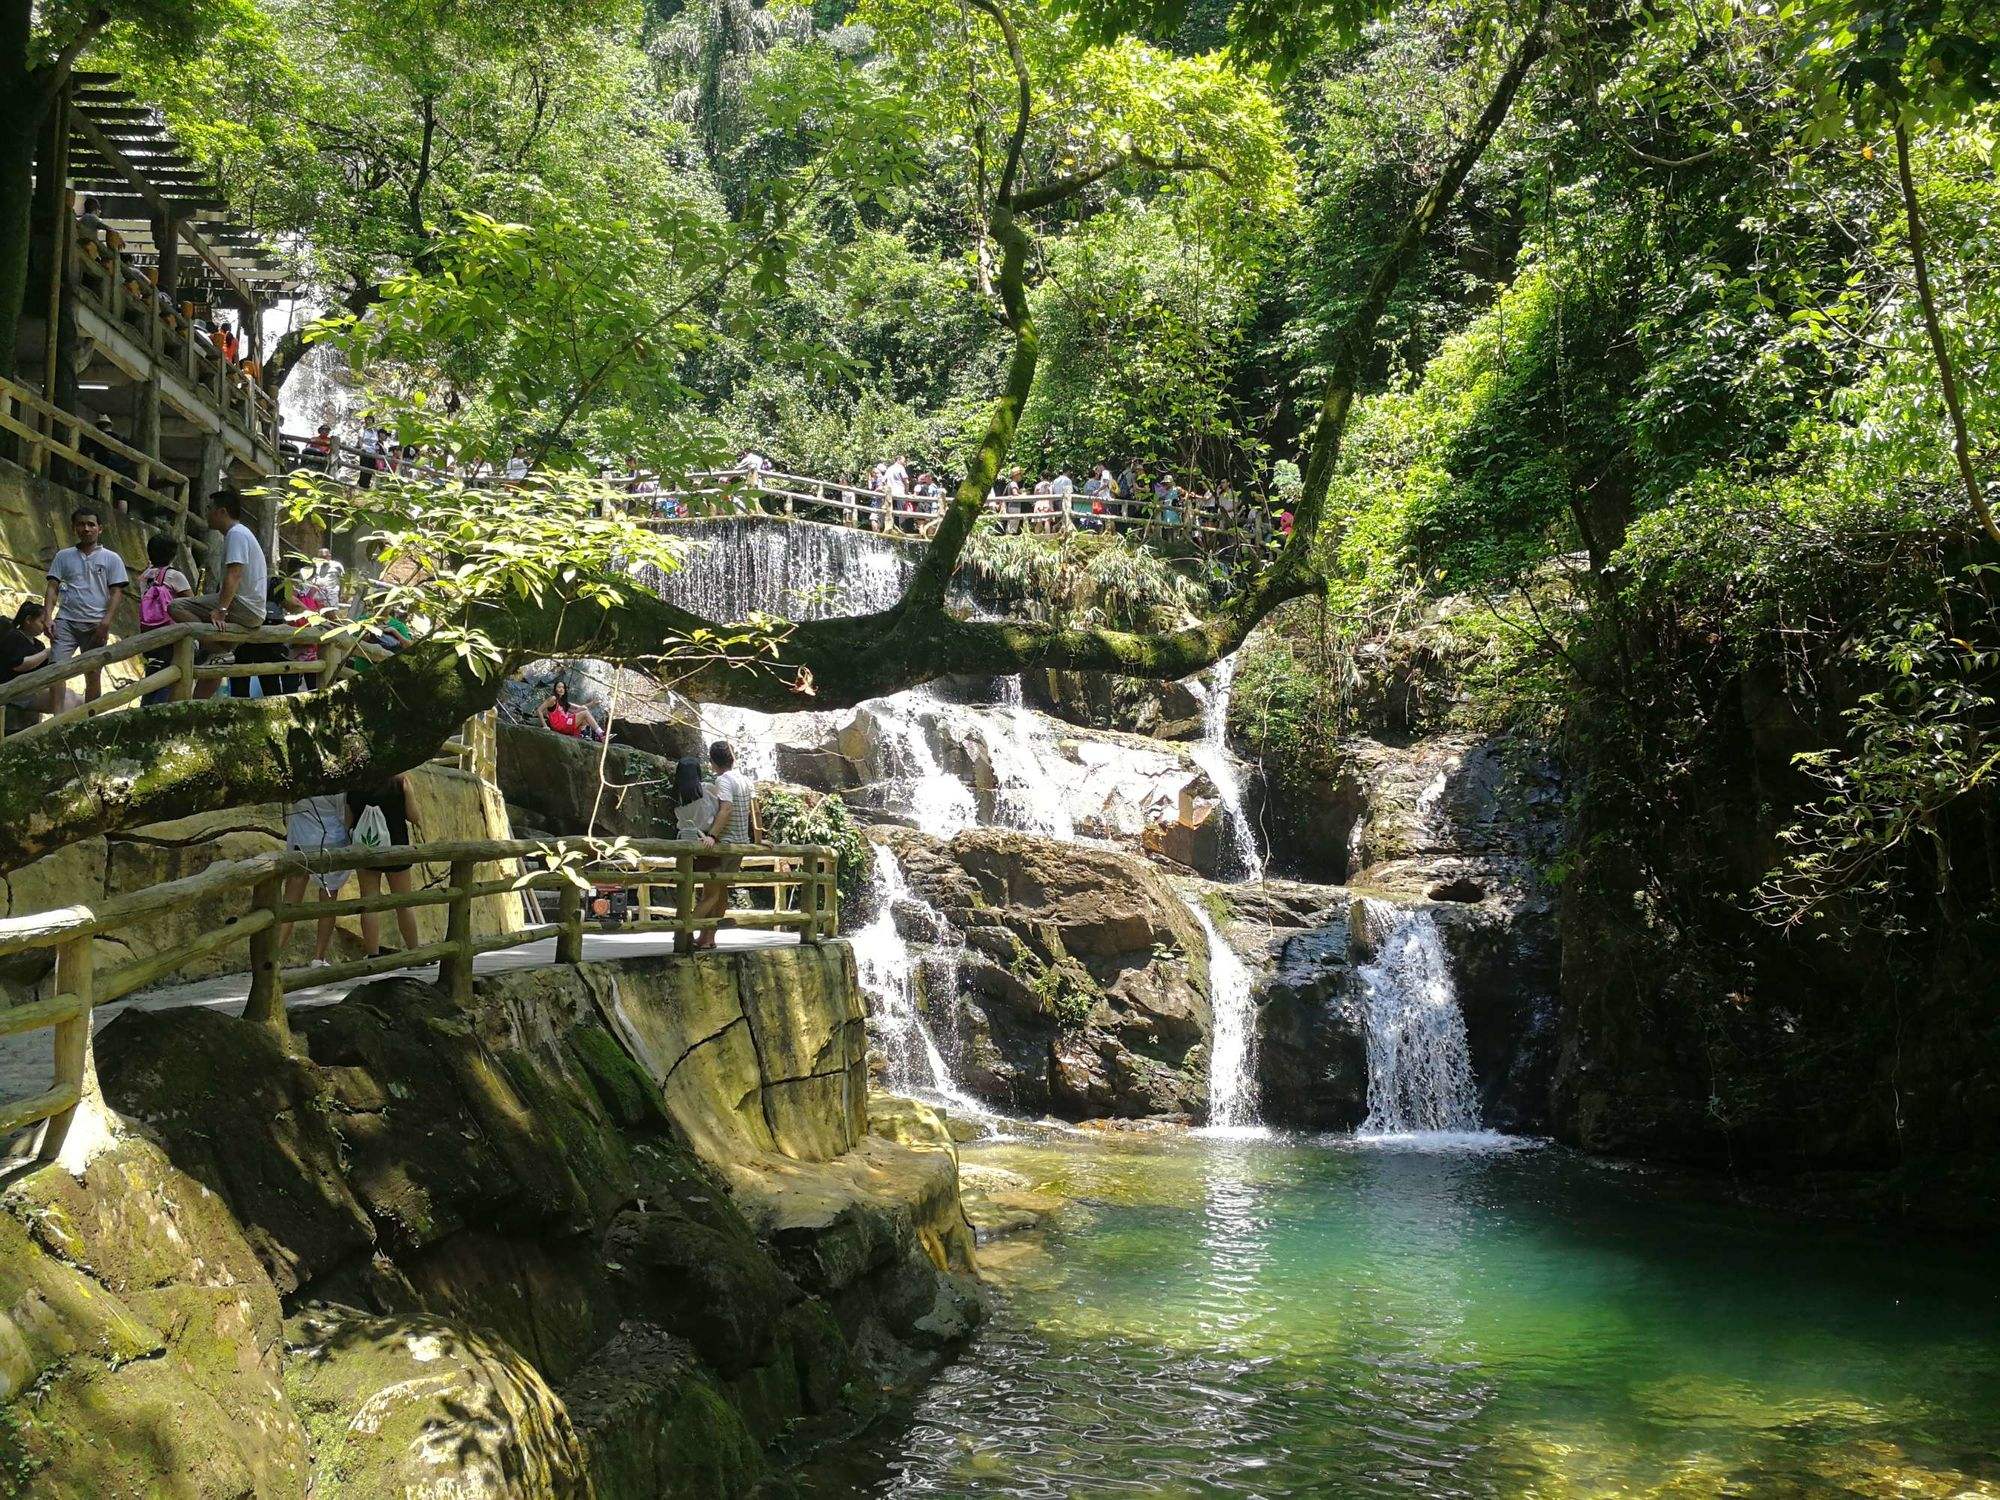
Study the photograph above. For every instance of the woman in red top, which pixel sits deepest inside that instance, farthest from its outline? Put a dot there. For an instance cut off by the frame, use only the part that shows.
(564, 717)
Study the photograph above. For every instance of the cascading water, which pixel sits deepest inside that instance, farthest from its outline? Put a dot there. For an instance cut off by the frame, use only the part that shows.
(1419, 1068)
(1232, 1081)
(1211, 753)
(891, 977)
(1023, 752)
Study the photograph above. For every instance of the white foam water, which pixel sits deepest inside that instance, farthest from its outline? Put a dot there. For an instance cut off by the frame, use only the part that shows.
(1419, 1067)
(1211, 753)
(1232, 1080)
(893, 981)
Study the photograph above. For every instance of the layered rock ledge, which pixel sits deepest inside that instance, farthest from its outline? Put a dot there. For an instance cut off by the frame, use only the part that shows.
(608, 1230)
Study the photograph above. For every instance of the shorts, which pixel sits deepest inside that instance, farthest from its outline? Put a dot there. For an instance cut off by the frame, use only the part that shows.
(67, 637)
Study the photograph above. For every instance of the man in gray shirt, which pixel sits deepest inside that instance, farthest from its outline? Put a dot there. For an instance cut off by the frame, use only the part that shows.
(239, 597)
(86, 584)
(733, 795)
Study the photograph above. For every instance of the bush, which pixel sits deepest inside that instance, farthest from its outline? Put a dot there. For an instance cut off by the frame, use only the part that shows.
(793, 818)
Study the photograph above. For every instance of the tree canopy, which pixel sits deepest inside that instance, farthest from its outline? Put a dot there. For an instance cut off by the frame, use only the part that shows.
(1467, 291)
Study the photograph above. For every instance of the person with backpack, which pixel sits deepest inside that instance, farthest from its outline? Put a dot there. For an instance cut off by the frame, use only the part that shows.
(159, 586)
(379, 818)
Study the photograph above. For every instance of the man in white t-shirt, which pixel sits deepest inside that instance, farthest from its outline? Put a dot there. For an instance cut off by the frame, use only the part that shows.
(246, 576)
(86, 584)
(734, 794)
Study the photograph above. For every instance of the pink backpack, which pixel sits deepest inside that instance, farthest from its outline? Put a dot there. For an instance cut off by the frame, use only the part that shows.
(155, 598)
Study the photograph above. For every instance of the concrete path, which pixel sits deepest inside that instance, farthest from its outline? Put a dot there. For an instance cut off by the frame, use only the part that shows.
(27, 1062)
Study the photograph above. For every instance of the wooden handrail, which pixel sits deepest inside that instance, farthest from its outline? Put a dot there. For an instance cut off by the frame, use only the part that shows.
(808, 873)
(151, 480)
(222, 385)
(181, 675)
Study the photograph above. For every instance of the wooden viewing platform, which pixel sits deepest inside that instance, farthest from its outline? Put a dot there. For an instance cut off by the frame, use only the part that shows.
(667, 875)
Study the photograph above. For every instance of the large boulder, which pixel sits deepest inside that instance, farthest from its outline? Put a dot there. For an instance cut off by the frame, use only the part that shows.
(427, 1409)
(139, 1338)
(644, 715)
(1104, 700)
(1083, 979)
(554, 779)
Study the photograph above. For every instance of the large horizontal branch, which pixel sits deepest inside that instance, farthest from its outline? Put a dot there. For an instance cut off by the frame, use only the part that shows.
(174, 760)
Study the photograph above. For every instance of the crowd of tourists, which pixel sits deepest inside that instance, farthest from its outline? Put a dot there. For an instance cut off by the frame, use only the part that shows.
(366, 452)
(892, 495)
(209, 328)
(88, 582)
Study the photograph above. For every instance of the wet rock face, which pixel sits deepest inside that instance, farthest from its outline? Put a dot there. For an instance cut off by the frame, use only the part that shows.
(1099, 700)
(1083, 981)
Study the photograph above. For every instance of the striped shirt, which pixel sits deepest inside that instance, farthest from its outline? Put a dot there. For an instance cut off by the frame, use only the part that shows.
(736, 790)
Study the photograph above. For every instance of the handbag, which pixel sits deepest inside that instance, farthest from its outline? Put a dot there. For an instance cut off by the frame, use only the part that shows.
(371, 829)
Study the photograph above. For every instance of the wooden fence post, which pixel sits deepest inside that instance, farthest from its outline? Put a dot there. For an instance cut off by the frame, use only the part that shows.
(456, 971)
(76, 974)
(684, 904)
(808, 899)
(569, 941)
(266, 1004)
(183, 687)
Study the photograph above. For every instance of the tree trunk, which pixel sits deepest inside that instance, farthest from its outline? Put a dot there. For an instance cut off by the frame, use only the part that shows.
(20, 127)
(1961, 441)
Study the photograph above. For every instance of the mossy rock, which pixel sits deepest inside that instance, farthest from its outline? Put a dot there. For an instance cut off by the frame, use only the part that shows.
(425, 1409)
(656, 1428)
(247, 1119)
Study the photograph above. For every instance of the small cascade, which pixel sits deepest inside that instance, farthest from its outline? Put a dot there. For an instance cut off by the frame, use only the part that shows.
(939, 803)
(1211, 753)
(756, 565)
(1419, 1068)
(1028, 768)
(1232, 1080)
(892, 977)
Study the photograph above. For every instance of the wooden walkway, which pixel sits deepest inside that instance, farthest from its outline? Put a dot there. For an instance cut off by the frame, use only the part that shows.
(25, 1061)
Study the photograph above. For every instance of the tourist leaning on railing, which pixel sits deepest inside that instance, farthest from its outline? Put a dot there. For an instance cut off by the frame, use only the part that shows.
(159, 586)
(241, 593)
(85, 586)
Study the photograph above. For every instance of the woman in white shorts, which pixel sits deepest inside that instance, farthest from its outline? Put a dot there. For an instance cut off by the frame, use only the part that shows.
(311, 825)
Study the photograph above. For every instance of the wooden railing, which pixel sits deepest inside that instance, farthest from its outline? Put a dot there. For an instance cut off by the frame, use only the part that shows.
(853, 505)
(125, 296)
(336, 649)
(805, 873)
(48, 432)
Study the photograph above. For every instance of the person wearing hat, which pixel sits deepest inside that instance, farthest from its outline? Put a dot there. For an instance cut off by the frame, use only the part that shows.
(111, 458)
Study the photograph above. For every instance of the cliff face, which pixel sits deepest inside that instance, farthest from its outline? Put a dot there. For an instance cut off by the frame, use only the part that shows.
(605, 1230)
(1862, 1070)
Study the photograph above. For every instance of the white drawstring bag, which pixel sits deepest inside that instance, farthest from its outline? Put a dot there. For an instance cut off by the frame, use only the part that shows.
(371, 829)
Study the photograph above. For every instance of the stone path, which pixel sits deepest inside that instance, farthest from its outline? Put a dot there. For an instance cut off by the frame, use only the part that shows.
(26, 1062)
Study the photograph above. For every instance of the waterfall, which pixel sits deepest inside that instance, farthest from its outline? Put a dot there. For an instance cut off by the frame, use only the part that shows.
(1419, 1070)
(1232, 1081)
(1211, 753)
(797, 571)
(1028, 769)
(893, 979)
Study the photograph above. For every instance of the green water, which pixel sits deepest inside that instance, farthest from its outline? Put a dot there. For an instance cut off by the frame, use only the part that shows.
(1255, 1318)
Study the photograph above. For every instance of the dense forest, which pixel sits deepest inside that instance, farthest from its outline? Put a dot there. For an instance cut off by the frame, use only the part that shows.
(1628, 368)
